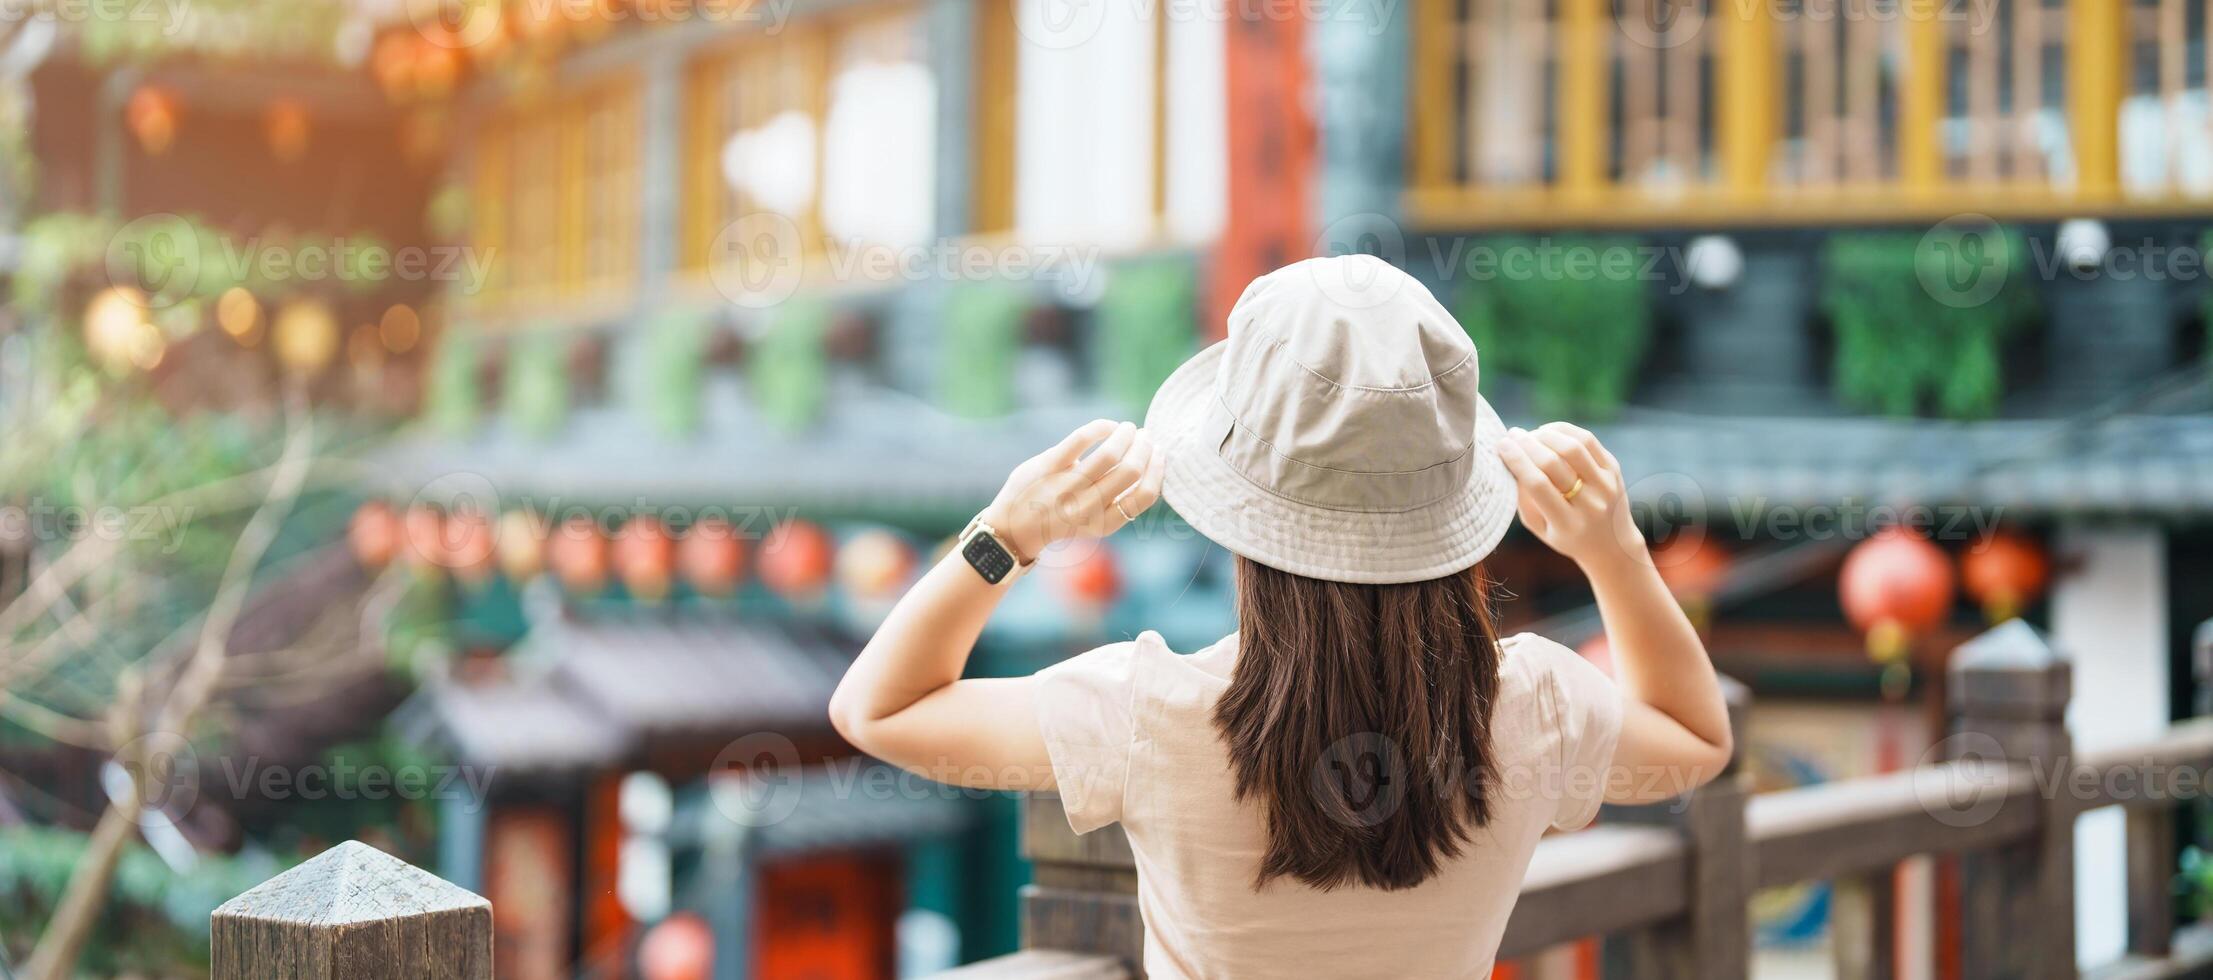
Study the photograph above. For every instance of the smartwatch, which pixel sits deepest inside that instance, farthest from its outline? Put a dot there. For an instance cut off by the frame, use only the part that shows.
(987, 553)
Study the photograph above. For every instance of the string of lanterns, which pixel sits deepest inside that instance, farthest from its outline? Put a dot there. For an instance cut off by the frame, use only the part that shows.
(1897, 585)
(800, 561)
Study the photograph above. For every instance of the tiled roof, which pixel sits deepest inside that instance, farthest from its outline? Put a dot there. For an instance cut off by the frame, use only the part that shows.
(879, 449)
(854, 803)
(2160, 465)
(587, 694)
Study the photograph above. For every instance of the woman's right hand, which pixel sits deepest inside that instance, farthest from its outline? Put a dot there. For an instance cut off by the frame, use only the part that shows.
(1572, 495)
(1062, 493)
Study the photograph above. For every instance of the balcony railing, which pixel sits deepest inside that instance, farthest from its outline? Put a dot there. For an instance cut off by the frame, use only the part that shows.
(1669, 112)
(1668, 885)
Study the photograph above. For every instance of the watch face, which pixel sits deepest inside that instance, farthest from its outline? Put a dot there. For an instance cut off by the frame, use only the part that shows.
(988, 557)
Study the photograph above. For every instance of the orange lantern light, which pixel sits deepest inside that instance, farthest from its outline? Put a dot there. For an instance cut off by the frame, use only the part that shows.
(286, 125)
(437, 69)
(1693, 568)
(2004, 573)
(680, 947)
(469, 541)
(578, 555)
(711, 557)
(151, 115)
(1892, 586)
(797, 559)
(645, 558)
(875, 563)
(521, 545)
(1095, 581)
(392, 63)
(374, 534)
(426, 540)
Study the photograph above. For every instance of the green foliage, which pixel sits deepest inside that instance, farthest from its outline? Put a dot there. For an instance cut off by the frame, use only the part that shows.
(1146, 327)
(180, 262)
(1572, 316)
(1919, 319)
(156, 919)
(787, 368)
(537, 395)
(232, 30)
(451, 395)
(983, 334)
(674, 364)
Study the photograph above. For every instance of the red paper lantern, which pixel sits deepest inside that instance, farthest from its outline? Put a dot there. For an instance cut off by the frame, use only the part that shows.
(151, 115)
(680, 947)
(521, 545)
(1693, 566)
(711, 557)
(797, 558)
(645, 558)
(875, 563)
(1096, 581)
(426, 539)
(2004, 573)
(578, 555)
(393, 64)
(466, 544)
(374, 534)
(1892, 586)
(287, 127)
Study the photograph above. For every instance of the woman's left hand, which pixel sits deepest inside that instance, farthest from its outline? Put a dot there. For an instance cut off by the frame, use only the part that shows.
(1062, 493)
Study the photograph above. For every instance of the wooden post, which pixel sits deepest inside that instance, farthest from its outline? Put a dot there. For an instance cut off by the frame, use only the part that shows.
(1921, 103)
(2017, 903)
(2097, 82)
(1863, 931)
(1084, 896)
(1713, 940)
(353, 913)
(1747, 126)
(1580, 87)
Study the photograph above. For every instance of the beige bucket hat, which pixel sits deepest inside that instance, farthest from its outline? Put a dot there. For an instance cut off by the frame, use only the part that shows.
(1337, 432)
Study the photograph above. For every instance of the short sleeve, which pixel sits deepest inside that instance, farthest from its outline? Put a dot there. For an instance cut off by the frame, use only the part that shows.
(1085, 709)
(1585, 710)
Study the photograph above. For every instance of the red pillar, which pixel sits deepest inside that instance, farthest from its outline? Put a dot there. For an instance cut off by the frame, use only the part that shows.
(1272, 155)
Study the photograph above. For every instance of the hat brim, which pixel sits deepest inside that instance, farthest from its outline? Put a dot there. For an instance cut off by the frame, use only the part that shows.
(1368, 547)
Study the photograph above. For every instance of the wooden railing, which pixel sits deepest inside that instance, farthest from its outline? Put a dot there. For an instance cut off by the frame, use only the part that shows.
(1672, 112)
(1668, 885)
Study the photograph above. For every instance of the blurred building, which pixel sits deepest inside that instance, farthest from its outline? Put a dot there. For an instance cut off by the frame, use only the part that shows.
(812, 277)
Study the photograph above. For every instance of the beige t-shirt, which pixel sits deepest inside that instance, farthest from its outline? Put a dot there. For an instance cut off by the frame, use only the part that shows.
(1128, 727)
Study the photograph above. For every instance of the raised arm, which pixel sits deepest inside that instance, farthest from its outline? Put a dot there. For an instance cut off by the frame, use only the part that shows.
(1675, 733)
(904, 701)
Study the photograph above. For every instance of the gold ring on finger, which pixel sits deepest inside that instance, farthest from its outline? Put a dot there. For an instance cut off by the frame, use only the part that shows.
(1569, 496)
(1118, 509)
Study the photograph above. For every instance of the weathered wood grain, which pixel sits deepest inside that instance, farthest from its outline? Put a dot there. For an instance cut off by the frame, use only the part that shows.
(353, 913)
(1041, 964)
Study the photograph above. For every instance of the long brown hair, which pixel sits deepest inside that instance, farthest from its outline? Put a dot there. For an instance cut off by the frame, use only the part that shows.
(1359, 716)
